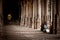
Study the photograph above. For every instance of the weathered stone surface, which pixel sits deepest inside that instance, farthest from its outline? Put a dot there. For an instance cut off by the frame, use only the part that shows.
(15, 32)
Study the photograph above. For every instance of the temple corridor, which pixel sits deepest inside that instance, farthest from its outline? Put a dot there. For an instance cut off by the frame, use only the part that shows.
(30, 20)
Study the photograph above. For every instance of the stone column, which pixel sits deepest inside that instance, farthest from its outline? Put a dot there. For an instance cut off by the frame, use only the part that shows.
(58, 16)
(42, 13)
(51, 16)
(30, 13)
(39, 15)
(45, 11)
(54, 17)
(48, 13)
(35, 12)
(1, 21)
(53, 28)
(27, 13)
(33, 16)
(23, 13)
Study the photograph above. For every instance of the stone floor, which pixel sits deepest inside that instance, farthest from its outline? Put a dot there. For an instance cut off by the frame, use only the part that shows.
(15, 32)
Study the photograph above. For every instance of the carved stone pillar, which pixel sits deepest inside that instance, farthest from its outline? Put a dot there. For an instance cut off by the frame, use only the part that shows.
(58, 16)
(42, 12)
(54, 17)
(1, 20)
(35, 12)
(45, 11)
(30, 12)
(39, 15)
(27, 11)
(23, 13)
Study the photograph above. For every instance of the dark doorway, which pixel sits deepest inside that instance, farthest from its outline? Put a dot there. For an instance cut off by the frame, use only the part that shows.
(11, 7)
